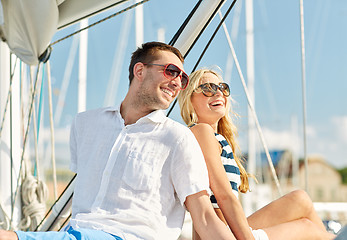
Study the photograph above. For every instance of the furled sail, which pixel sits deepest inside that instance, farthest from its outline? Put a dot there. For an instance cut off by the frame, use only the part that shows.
(28, 26)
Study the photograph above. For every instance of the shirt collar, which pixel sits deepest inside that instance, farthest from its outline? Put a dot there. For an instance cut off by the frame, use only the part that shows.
(157, 116)
(113, 109)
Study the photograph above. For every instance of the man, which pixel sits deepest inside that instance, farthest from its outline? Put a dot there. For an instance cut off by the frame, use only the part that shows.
(136, 169)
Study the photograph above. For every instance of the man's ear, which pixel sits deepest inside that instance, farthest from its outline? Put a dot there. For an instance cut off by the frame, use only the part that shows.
(139, 70)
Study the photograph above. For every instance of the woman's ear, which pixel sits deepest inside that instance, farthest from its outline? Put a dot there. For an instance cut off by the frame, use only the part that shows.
(139, 71)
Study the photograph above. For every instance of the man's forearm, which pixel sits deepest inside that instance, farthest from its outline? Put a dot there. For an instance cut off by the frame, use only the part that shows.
(205, 220)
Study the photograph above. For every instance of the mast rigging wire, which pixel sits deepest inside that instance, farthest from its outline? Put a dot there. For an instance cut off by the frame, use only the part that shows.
(182, 27)
(51, 123)
(213, 35)
(33, 191)
(100, 21)
(26, 133)
(93, 13)
(36, 126)
(33, 209)
(65, 222)
(207, 45)
(53, 205)
(222, 22)
(250, 104)
(8, 97)
(11, 145)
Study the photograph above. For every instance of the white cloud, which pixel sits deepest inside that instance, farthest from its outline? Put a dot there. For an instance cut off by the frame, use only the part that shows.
(340, 125)
(281, 139)
(275, 140)
(310, 131)
(328, 140)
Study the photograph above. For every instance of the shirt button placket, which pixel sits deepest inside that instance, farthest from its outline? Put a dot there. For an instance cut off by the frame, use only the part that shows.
(108, 168)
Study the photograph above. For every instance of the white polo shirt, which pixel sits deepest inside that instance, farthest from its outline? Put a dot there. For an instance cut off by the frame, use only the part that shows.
(132, 181)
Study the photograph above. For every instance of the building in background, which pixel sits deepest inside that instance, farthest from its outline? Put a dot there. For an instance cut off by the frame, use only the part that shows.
(325, 185)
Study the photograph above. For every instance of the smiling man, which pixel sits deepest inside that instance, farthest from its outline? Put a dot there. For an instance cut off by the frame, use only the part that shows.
(137, 170)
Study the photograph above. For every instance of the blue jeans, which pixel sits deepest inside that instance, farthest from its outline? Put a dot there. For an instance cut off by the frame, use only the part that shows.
(70, 234)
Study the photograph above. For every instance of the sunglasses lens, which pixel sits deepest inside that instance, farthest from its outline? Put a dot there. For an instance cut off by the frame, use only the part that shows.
(225, 89)
(184, 81)
(172, 72)
(207, 89)
(214, 87)
(210, 89)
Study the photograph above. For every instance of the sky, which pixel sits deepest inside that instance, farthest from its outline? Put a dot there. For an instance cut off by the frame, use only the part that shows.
(277, 60)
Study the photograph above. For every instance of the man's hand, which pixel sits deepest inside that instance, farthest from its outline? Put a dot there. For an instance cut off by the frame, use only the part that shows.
(8, 235)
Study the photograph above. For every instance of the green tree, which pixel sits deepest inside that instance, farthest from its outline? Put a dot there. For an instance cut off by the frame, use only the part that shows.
(343, 173)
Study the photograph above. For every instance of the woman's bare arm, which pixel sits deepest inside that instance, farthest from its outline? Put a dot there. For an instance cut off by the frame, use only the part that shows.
(219, 182)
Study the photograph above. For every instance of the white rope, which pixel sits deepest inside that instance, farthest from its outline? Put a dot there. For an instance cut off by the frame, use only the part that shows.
(34, 196)
(33, 191)
(252, 109)
(21, 172)
(5, 224)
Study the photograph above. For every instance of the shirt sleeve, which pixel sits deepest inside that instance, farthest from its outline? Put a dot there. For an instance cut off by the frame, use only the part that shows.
(189, 171)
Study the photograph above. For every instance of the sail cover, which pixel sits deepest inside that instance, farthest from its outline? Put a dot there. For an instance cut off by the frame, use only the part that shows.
(28, 27)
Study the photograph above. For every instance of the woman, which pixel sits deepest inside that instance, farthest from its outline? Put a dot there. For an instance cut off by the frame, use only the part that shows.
(205, 108)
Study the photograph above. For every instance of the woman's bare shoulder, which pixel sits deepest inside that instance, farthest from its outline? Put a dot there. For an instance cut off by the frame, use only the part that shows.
(204, 133)
(202, 128)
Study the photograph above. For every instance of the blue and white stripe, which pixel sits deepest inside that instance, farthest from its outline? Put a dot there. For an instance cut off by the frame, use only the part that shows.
(230, 166)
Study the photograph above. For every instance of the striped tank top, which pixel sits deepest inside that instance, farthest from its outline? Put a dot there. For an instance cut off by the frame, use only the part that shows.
(230, 166)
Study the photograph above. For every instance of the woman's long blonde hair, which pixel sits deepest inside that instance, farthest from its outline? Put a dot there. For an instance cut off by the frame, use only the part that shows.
(226, 127)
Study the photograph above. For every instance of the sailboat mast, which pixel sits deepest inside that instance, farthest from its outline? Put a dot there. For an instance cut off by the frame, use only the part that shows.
(251, 165)
(303, 76)
(10, 210)
(82, 76)
(161, 34)
(139, 25)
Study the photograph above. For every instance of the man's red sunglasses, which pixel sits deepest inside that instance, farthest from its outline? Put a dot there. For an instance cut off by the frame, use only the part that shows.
(171, 71)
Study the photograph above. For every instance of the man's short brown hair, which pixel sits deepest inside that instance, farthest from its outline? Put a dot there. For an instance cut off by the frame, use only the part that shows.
(147, 53)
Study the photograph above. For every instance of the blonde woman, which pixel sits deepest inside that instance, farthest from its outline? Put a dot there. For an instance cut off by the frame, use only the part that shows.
(205, 107)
